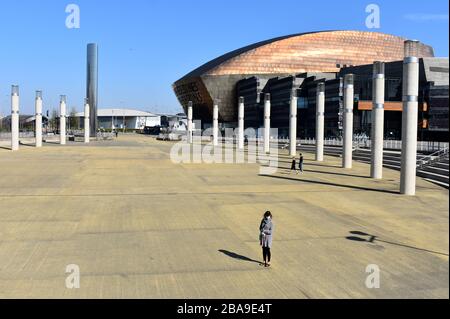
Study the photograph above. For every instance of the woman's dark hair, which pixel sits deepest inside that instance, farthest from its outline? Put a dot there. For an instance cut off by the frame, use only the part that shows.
(268, 214)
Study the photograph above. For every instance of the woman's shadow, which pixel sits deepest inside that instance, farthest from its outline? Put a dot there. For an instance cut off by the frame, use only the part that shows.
(237, 256)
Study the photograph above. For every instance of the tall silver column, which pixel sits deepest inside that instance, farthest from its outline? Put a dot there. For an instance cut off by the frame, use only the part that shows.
(267, 123)
(189, 124)
(241, 123)
(62, 120)
(409, 118)
(38, 118)
(293, 124)
(86, 121)
(92, 86)
(377, 135)
(216, 123)
(15, 118)
(320, 118)
(347, 149)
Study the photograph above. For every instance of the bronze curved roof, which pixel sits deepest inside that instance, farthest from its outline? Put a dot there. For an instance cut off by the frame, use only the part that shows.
(314, 52)
(319, 51)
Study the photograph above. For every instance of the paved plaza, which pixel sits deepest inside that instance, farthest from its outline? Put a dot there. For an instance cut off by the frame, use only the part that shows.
(140, 226)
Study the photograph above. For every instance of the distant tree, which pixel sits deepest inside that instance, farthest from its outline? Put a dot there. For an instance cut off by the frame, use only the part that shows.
(74, 121)
(53, 120)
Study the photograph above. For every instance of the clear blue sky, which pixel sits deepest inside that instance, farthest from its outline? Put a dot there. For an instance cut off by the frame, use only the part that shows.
(146, 45)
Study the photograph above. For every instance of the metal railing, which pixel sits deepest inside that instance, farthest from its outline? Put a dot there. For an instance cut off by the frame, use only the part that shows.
(358, 143)
(435, 157)
(422, 146)
(105, 136)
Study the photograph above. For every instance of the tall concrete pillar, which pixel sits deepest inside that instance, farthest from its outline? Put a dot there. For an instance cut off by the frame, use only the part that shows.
(409, 118)
(377, 135)
(38, 118)
(86, 121)
(15, 118)
(347, 149)
(92, 86)
(293, 124)
(320, 118)
(189, 128)
(216, 123)
(62, 120)
(267, 123)
(241, 123)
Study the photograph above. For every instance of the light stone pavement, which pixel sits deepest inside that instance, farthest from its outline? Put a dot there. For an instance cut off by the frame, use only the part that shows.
(140, 226)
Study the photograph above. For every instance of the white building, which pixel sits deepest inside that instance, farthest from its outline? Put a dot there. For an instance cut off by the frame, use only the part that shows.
(125, 119)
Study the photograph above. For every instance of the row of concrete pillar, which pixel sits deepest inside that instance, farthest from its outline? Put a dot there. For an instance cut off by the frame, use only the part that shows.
(15, 102)
(409, 121)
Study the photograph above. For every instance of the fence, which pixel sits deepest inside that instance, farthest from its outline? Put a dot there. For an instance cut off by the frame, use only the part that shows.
(422, 146)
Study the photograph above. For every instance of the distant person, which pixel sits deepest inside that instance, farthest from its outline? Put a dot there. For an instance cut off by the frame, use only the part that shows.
(116, 132)
(294, 165)
(265, 237)
(300, 163)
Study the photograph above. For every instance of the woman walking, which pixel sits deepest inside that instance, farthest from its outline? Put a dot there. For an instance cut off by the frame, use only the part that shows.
(265, 237)
(300, 163)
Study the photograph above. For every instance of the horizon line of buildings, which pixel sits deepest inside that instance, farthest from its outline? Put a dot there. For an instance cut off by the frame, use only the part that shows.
(108, 118)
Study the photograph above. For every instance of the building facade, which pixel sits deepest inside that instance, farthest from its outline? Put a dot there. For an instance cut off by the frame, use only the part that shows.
(296, 64)
(314, 52)
(433, 100)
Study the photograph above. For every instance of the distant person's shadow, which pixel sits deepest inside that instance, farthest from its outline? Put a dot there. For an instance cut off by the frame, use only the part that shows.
(237, 256)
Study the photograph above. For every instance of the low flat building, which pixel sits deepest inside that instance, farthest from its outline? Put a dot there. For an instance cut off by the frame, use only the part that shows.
(26, 122)
(129, 119)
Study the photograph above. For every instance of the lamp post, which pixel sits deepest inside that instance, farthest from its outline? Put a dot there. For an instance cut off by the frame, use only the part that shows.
(15, 118)
(216, 122)
(62, 119)
(241, 123)
(267, 107)
(293, 124)
(320, 118)
(189, 128)
(38, 118)
(348, 121)
(377, 135)
(87, 134)
(409, 118)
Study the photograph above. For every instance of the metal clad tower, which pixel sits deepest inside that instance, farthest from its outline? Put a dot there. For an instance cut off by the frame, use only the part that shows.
(92, 86)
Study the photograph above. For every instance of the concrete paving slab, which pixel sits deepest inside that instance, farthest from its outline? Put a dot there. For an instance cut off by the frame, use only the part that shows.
(140, 226)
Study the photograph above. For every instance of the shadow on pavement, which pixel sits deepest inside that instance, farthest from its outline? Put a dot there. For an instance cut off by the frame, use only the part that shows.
(373, 239)
(237, 256)
(333, 184)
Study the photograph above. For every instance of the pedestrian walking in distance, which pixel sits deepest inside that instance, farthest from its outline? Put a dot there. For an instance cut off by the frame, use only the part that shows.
(265, 237)
(294, 165)
(300, 163)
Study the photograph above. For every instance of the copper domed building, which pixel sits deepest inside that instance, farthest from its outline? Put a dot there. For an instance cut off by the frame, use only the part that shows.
(326, 51)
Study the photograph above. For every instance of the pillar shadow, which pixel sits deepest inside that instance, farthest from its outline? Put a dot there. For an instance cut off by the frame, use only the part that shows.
(5, 148)
(373, 239)
(333, 184)
(310, 163)
(333, 173)
(27, 145)
(237, 256)
(321, 165)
